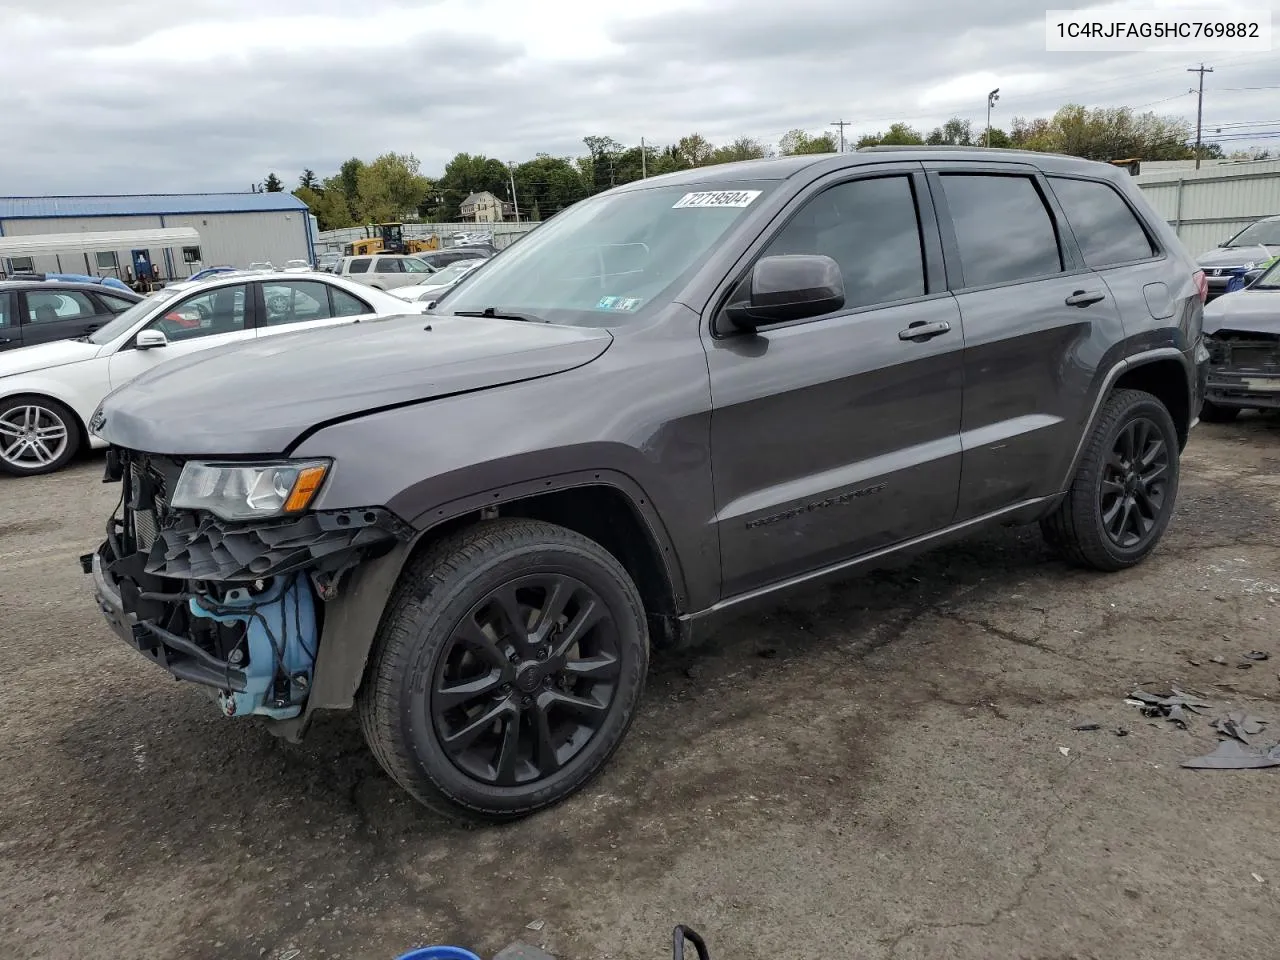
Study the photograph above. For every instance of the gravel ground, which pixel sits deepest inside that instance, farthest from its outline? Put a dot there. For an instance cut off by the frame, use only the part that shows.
(885, 769)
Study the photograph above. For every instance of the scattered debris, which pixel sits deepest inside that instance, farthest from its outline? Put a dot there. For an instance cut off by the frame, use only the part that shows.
(1233, 755)
(1173, 707)
(1121, 732)
(1244, 665)
(1258, 655)
(1239, 726)
(1218, 660)
(1258, 878)
(1065, 751)
(535, 925)
(1194, 663)
(1087, 726)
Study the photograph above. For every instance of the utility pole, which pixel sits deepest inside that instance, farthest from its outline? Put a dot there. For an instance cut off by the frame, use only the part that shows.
(644, 166)
(992, 97)
(515, 202)
(842, 124)
(1202, 70)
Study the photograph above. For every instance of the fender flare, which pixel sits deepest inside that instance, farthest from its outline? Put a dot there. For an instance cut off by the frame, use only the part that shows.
(353, 618)
(1120, 368)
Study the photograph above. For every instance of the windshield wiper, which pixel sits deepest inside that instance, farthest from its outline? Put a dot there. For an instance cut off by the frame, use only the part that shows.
(493, 313)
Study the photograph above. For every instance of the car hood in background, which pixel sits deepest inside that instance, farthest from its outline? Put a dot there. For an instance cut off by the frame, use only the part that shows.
(1234, 256)
(1247, 311)
(44, 356)
(260, 396)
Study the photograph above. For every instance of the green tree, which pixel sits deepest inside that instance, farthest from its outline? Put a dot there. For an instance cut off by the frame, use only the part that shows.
(272, 184)
(546, 185)
(744, 148)
(308, 181)
(349, 179)
(391, 188)
(954, 133)
(330, 207)
(798, 141)
(693, 150)
(466, 174)
(603, 152)
(999, 139)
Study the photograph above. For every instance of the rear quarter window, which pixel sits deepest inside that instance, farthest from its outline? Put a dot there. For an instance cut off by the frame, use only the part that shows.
(1104, 225)
(360, 265)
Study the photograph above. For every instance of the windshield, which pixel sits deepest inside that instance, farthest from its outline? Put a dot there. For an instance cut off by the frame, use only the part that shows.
(109, 331)
(606, 259)
(1265, 232)
(450, 273)
(1270, 280)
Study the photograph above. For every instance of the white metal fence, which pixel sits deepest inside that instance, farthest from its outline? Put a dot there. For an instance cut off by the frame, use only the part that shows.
(1209, 205)
(503, 233)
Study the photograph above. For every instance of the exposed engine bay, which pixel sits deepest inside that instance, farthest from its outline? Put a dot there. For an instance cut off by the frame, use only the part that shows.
(1244, 368)
(236, 607)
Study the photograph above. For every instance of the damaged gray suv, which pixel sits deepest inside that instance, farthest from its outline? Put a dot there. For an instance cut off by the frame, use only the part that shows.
(672, 403)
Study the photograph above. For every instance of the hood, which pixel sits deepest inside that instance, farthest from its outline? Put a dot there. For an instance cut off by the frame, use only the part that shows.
(42, 356)
(1234, 256)
(1249, 311)
(260, 396)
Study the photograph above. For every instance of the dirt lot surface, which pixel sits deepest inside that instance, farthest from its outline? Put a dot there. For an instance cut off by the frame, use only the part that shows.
(886, 769)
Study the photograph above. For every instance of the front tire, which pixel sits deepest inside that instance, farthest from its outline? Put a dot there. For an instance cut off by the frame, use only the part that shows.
(37, 435)
(1120, 502)
(506, 671)
(1211, 412)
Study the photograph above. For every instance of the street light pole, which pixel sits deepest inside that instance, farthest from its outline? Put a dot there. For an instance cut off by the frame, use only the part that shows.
(992, 97)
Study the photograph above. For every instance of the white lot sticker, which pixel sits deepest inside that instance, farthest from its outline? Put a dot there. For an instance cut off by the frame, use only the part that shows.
(717, 198)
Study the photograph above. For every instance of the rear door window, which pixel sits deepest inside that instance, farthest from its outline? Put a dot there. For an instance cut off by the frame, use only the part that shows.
(1106, 228)
(294, 301)
(50, 306)
(359, 265)
(389, 265)
(1003, 229)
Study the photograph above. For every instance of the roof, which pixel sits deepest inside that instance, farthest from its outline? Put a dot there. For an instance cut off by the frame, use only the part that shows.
(16, 284)
(151, 204)
(477, 197)
(44, 244)
(781, 168)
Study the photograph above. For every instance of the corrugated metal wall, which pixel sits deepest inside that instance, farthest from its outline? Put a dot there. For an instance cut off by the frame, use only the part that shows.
(1209, 206)
(232, 238)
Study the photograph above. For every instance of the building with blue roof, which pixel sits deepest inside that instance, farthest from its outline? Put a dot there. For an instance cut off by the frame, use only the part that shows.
(236, 229)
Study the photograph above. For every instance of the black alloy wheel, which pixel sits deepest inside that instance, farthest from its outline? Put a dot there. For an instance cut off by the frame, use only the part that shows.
(526, 679)
(1135, 478)
(506, 670)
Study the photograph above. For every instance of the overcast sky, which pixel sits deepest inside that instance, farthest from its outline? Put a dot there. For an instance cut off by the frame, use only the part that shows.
(140, 96)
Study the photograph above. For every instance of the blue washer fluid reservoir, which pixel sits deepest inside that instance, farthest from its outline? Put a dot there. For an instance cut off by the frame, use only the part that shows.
(281, 628)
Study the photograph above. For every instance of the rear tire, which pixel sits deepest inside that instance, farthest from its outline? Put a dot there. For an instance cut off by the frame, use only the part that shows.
(1123, 493)
(37, 435)
(1215, 413)
(506, 670)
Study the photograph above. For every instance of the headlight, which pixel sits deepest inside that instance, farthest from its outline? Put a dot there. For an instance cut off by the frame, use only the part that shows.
(248, 491)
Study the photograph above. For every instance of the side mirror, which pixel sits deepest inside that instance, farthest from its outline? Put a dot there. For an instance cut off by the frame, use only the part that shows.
(151, 339)
(788, 287)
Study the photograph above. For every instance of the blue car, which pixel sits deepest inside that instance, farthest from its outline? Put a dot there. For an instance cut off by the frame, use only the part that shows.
(85, 278)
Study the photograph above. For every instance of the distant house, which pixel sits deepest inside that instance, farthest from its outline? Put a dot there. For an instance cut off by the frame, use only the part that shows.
(484, 207)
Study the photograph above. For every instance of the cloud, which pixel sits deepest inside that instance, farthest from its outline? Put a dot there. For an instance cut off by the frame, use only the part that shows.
(214, 94)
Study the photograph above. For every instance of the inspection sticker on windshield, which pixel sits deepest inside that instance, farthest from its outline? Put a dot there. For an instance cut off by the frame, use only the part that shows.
(619, 303)
(717, 198)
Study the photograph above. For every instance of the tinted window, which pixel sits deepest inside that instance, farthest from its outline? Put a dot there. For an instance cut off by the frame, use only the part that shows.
(413, 265)
(359, 266)
(4, 310)
(345, 305)
(387, 265)
(115, 304)
(1104, 226)
(1003, 228)
(204, 315)
(49, 307)
(868, 227)
(293, 301)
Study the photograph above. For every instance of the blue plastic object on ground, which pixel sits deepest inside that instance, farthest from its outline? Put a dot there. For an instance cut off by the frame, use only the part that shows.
(438, 953)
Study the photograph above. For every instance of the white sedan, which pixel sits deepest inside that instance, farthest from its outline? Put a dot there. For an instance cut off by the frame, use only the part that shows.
(49, 391)
(433, 285)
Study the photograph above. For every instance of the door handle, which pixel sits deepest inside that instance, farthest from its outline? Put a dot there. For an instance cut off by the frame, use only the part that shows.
(6, 340)
(920, 331)
(1083, 298)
